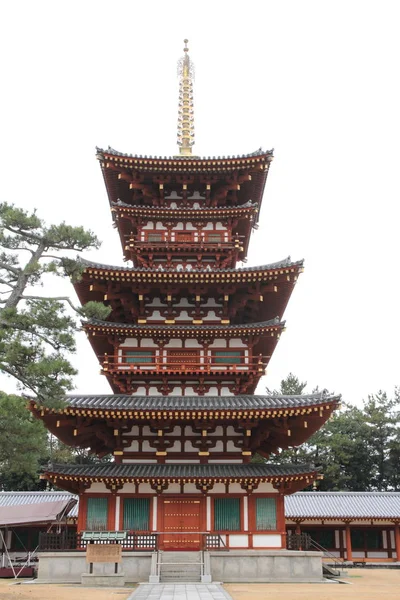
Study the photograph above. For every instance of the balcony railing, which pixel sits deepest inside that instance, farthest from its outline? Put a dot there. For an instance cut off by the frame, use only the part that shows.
(164, 242)
(182, 364)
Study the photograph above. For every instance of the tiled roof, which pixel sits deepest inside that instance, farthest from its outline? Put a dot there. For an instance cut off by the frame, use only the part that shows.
(109, 150)
(194, 471)
(205, 209)
(282, 264)
(203, 328)
(8, 499)
(341, 505)
(127, 402)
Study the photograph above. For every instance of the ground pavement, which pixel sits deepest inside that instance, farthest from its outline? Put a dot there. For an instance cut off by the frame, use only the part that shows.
(180, 591)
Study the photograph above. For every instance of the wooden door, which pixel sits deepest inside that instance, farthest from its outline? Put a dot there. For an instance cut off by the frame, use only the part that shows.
(183, 359)
(181, 524)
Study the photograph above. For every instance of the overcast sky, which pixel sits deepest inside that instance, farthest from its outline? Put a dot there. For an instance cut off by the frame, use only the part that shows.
(316, 80)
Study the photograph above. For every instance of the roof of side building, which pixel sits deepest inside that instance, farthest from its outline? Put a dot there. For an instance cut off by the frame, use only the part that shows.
(343, 505)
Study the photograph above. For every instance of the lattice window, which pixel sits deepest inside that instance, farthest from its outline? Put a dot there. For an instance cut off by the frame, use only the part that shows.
(97, 514)
(227, 514)
(137, 514)
(265, 514)
(138, 356)
(227, 357)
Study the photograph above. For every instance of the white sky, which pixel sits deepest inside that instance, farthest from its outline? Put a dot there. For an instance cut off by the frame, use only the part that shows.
(316, 80)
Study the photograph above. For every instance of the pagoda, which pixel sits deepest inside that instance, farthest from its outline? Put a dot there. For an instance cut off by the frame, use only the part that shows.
(188, 338)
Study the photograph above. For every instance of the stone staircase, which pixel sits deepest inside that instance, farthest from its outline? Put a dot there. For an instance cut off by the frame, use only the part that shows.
(180, 567)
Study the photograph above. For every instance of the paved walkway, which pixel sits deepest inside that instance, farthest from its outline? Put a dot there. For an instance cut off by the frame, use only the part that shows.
(180, 591)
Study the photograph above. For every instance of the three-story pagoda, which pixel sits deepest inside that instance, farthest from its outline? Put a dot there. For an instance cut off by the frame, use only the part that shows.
(186, 343)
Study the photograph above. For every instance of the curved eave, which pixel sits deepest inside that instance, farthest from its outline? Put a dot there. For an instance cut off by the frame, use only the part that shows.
(285, 482)
(246, 275)
(185, 164)
(324, 407)
(184, 331)
(124, 210)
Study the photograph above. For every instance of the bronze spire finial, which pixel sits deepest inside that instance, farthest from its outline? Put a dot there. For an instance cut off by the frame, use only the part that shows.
(185, 111)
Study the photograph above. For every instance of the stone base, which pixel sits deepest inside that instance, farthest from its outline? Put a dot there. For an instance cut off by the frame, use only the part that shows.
(67, 567)
(115, 580)
(266, 566)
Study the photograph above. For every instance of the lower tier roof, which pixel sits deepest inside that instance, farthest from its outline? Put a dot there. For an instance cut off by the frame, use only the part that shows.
(285, 478)
(246, 402)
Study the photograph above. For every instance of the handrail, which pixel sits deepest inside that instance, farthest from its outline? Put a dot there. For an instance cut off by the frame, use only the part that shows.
(338, 563)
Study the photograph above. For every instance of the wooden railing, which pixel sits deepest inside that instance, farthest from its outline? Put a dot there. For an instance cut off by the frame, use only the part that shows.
(184, 365)
(58, 542)
(136, 542)
(165, 241)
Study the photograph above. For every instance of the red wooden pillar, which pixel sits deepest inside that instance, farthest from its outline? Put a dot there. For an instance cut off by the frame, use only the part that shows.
(349, 553)
(397, 540)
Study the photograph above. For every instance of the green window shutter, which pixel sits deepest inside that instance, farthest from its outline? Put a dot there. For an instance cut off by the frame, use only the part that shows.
(97, 514)
(374, 539)
(227, 514)
(137, 357)
(136, 514)
(227, 357)
(265, 514)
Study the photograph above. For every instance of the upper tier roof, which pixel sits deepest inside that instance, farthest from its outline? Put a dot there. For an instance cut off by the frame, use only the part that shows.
(203, 329)
(128, 402)
(185, 162)
(211, 212)
(276, 266)
(343, 505)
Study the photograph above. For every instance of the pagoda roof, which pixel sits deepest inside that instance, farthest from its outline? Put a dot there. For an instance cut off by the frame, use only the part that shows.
(211, 212)
(278, 267)
(185, 330)
(186, 163)
(181, 471)
(123, 402)
(286, 478)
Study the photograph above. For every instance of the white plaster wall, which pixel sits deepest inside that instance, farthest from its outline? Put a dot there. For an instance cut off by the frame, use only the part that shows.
(147, 343)
(192, 344)
(231, 431)
(219, 488)
(176, 431)
(210, 316)
(183, 316)
(174, 343)
(265, 488)
(141, 391)
(133, 447)
(98, 487)
(219, 447)
(137, 460)
(234, 488)
(189, 391)
(218, 431)
(226, 392)
(218, 343)
(153, 392)
(190, 488)
(237, 343)
(239, 541)
(130, 343)
(213, 391)
(156, 316)
(176, 391)
(230, 447)
(267, 541)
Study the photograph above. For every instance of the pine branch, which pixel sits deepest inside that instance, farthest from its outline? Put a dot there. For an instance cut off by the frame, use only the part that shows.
(56, 298)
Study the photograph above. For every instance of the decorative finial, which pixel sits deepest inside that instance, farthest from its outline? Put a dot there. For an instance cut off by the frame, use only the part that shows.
(185, 111)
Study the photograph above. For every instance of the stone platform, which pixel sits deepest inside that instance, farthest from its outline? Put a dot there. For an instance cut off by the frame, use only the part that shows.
(246, 566)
